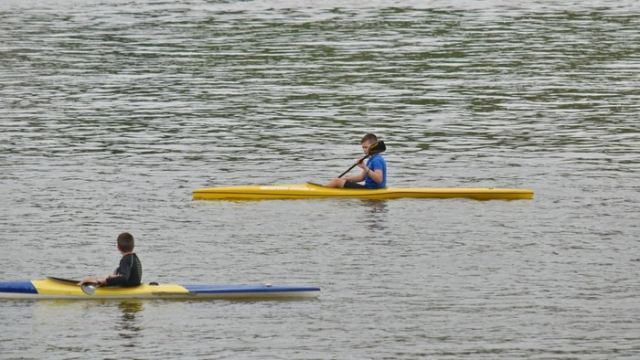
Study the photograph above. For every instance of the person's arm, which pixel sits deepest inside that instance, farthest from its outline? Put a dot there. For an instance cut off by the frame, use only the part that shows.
(92, 280)
(374, 170)
(122, 275)
(356, 178)
(375, 175)
(360, 177)
(117, 280)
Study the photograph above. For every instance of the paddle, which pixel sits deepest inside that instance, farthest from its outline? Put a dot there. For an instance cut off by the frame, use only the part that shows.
(67, 281)
(375, 148)
(89, 289)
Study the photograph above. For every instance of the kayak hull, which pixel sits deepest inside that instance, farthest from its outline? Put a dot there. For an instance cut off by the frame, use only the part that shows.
(314, 191)
(55, 289)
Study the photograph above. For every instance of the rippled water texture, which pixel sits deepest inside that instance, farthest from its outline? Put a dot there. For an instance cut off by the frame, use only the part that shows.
(111, 112)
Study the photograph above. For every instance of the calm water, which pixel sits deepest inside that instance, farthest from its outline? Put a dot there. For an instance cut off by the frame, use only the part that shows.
(111, 112)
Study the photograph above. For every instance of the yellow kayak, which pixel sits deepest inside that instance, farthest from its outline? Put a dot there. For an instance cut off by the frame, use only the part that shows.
(315, 191)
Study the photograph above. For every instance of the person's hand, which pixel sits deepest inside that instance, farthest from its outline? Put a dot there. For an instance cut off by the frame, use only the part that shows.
(360, 163)
(87, 280)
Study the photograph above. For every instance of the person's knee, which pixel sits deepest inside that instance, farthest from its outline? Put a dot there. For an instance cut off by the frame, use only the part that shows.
(336, 183)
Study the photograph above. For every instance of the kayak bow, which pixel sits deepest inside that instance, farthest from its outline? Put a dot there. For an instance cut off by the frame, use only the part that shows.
(315, 191)
(52, 288)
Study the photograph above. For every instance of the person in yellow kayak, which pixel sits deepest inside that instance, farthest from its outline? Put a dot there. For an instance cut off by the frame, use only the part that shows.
(373, 172)
(129, 273)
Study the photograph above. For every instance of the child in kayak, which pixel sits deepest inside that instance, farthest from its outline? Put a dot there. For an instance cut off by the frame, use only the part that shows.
(374, 172)
(129, 273)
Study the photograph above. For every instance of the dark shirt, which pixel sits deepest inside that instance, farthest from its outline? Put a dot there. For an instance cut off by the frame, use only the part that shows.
(129, 273)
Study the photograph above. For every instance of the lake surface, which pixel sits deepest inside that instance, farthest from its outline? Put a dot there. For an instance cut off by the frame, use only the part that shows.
(112, 112)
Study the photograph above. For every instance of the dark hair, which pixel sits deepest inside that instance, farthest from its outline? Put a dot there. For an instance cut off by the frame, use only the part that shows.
(125, 242)
(371, 138)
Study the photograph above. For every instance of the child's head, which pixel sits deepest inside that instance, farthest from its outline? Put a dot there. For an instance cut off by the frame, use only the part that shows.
(125, 242)
(368, 140)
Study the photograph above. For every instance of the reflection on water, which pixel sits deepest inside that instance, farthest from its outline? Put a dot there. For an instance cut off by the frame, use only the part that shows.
(375, 206)
(376, 213)
(129, 325)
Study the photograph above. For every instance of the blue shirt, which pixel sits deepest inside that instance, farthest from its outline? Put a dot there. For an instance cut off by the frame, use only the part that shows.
(376, 162)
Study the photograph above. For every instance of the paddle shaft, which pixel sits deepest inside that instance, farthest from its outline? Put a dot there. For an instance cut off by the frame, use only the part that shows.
(375, 148)
(354, 165)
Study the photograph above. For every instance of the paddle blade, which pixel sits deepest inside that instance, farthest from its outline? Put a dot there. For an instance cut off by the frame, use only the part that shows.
(65, 281)
(377, 147)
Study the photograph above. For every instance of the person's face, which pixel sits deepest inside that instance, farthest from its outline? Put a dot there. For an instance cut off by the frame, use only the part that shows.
(365, 147)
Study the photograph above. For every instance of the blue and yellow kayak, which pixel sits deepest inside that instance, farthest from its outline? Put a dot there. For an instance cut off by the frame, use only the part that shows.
(315, 191)
(55, 288)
